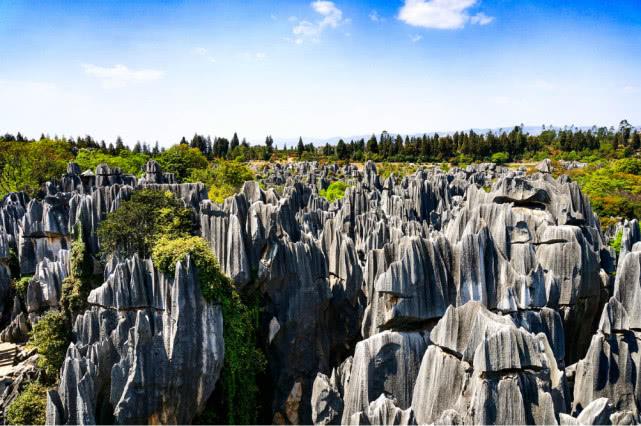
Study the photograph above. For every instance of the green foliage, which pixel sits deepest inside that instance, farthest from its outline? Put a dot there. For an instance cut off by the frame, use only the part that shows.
(335, 191)
(500, 157)
(400, 170)
(51, 337)
(21, 286)
(224, 178)
(243, 360)
(614, 188)
(24, 166)
(76, 286)
(80, 259)
(616, 243)
(74, 296)
(129, 162)
(168, 251)
(136, 225)
(182, 160)
(29, 407)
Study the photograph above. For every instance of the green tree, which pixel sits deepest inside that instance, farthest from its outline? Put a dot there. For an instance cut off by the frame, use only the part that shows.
(341, 150)
(137, 223)
(129, 162)
(223, 178)
(181, 160)
(29, 407)
(25, 166)
(300, 148)
(335, 191)
(50, 336)
(636, 141)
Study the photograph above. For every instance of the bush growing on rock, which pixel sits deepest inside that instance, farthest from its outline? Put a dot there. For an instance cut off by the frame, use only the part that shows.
(223, 178)
(29, 407)
(335, 191)
(136, 225)
(243, 360)
(50, 336)
(21, 286)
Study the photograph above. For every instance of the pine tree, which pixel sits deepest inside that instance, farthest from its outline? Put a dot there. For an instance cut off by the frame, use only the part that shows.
(300, 148)
(120, 145)
(636, 140)
(372, 145)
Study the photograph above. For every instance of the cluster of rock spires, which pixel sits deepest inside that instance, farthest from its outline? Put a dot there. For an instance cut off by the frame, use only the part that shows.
(478, 295)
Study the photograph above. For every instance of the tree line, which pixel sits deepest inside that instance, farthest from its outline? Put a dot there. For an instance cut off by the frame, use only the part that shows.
(464, 146)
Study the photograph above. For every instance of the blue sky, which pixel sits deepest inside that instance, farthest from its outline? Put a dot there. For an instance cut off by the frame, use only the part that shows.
(154, 70)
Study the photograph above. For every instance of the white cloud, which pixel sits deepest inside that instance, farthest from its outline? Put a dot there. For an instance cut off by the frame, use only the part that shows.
(331, 17)
(630, 89)
(416, 38)
(441, 14)
(204, 53)
(481, 19)
(120, 75)
(374, 16)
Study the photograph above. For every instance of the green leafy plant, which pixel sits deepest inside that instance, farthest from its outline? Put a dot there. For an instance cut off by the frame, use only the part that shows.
(136, 225)
(616, 243)
(500, 157)
(335, 191)
(223, 178)
(29, 407)
(243, 360)
(128, 162)
(21, 286)
(181, 160)
(50, 336)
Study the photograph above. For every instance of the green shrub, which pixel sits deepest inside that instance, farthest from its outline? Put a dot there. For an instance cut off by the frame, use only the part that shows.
(616, 243)
(29, 407)
(223, 178)
(614, 188)
(136, 225)
(243, 360)
(500, 157)
(74, 296)
(21, 286)
(51, 337)
(181, 160)
(128, 162)
(335, 191)
(24, 166)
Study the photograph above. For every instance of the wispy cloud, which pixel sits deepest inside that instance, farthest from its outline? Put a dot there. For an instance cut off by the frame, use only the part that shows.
(330, 17)
(631, 89)
(481, 19)
(441, 14)
(120, 75)
(416, 38)
(375, 17)
(204, 53)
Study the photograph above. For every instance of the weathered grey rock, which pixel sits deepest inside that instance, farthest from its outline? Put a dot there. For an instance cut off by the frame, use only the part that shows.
(388, 363)
(159, 363)
(327, 403)
(383, 411)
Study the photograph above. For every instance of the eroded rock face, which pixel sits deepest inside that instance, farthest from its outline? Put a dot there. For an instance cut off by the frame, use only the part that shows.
(437, 297)
(149, 350)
